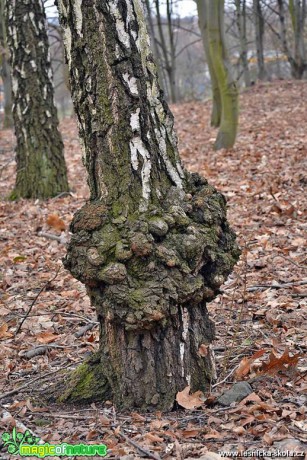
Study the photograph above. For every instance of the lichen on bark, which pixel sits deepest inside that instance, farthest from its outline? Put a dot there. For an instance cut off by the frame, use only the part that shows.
(152, 245)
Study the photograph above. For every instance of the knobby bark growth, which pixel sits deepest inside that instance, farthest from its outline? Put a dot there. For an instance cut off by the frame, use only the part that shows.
(41, 169)
(225, 91)
(152, 245)
(5, 72)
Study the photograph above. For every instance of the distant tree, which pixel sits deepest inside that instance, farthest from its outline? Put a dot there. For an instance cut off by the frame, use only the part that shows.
(241, 18)
(259, 34)
(225, 91)
(41, 169)
(297, 58)
(152, 245)
(5, 72)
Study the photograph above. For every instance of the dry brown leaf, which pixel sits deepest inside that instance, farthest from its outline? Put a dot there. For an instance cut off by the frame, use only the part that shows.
(4, 333)
(282, 363)
(184, 399)
(158, 424)
(46, 337)
(137, 417)
(54, 221)
(250, 398)
(193, 433)
(244, 366)
(151, 437)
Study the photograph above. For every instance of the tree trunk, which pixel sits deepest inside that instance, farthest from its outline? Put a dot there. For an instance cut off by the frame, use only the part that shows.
(241, 25)
(41, 170)
(216, 95)
(259, 32)
(297, 10)
(152, 245)
(297, 59)
(225, 107)
(5, 72)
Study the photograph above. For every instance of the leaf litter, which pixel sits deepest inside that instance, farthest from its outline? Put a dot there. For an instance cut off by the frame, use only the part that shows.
(260, 315)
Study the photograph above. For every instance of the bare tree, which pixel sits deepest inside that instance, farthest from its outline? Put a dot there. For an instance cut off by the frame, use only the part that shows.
(259, 34)
(241, 25)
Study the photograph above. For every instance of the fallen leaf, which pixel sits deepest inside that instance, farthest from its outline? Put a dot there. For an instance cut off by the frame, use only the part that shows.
(153, 437)
(245, 364)
(4, 333)
(55, 222)
(184, 399)
(46, 337)
(276, 364)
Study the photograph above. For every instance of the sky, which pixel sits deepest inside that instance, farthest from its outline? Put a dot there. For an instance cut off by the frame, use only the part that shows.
(184, 8)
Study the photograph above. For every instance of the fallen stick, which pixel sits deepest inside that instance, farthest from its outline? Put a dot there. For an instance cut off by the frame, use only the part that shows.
(60, 239)
(34, 301)
(275, 286)
(25, 385)
(84, 329)
(137, 446)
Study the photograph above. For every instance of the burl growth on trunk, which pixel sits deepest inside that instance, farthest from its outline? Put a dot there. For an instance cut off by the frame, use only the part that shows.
(149, 276)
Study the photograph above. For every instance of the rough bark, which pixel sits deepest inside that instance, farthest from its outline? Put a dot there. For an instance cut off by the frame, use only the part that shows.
(5, 72)
(152, 245)
(225, 106)
(241, 25)
(41, 170)
(259, 34)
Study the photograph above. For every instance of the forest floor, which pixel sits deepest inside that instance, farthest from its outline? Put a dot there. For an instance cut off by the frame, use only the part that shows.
(260, 315)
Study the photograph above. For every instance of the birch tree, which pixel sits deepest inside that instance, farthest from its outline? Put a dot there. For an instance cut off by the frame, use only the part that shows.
(5, 72)
(152, 245)
(225, 91)
(41, 169)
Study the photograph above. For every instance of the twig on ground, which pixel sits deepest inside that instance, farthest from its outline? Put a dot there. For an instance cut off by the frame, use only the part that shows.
(42, 349)
(225, 379)
(34, 301)
(25, 385)
(137, 446)
(289, 260)
(84, 329)
(275, 286)
(60, 239)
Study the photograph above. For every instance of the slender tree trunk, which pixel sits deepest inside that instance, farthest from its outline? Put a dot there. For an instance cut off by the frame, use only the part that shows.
(152, 245)
(241, 24)
(297, 59)
(297, 10)
(41, 170)
(216, 95)
(156, 51)
(5, 72)
(259, 33)
(211, 19)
